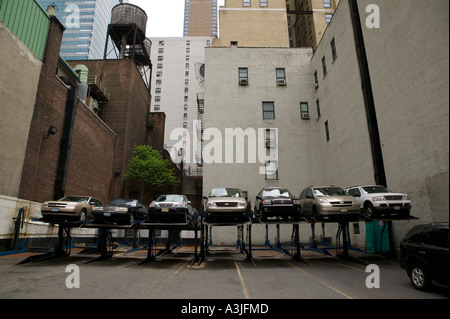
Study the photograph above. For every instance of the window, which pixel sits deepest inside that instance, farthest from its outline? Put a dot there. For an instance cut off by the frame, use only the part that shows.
(270, 138)
(328, 17)
(324, 66)
(158, 82)
(160, 58)
(333, 49)
(157, 98)
(188, 42)
(187, 57)
(186, 98)
(186, 73)
(186, 66)
(186, 82)
(157, 90)
(184, 124)
(263, 3)
(161, 50)
(243, 76)
(316, 80)
(186, 90)
(185, 107)
(161, 43)
(188, 50)
(158, 73)
(281, 76)
(318, 108)
(327, 131)
(268, 110)
(157, 107)
(327, 3)
(159, 66)
(185, 116)
(246, 3)
(304, 110)
(271, 170)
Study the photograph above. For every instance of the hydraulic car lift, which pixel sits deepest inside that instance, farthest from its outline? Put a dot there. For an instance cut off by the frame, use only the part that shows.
(153, 252)
(63, 246)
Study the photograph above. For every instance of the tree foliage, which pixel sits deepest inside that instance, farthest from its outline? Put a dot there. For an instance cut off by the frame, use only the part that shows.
(148, 169)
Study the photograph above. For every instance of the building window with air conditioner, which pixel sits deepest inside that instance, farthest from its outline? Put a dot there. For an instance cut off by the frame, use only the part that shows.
(281, 76)
(271, 170)
(243, 76)
(304, 110)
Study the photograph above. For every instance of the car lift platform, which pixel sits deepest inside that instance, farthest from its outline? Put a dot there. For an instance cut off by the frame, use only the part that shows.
(152, 251)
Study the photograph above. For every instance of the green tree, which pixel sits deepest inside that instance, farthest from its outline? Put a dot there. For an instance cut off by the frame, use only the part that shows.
(148, 169)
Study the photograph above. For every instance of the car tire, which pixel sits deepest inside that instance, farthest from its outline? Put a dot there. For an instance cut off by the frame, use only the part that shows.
(315, 213)
(369, 210)
(83, 215)
(131, 218)
(419, 276)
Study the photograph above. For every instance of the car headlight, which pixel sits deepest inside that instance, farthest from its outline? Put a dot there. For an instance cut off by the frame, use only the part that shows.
(180, 205)
(267, 201)
(354, 201)
(72, 204)
(406, 197)
(243, 204)
(324, 201)
(210, 204)
(296, 202)
(378, 199)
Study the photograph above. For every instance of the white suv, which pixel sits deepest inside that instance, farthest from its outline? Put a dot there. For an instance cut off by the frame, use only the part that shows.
(378, 201)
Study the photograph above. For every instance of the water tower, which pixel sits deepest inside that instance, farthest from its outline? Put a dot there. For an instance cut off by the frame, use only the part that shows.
(126, 38)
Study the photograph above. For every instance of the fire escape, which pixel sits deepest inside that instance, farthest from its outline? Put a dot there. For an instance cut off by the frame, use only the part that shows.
(200, 112)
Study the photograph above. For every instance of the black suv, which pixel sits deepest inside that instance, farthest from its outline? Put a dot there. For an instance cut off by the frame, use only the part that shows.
(424, 255)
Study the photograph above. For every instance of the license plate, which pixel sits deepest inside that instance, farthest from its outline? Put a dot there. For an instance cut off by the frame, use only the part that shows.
(343, 210)
(165, 210)
(107, 214)
(55, 210)
(396, 207)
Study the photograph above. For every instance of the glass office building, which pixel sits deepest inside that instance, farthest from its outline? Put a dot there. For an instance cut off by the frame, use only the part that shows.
(86, 24)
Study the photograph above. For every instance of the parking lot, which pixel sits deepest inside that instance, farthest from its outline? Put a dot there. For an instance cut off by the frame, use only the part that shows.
(224, 274)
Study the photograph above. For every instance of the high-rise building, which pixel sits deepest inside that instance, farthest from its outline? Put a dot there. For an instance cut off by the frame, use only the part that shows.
(307, 21)
(86, 23)
(177, 87)
(200, 18)
(257, 23)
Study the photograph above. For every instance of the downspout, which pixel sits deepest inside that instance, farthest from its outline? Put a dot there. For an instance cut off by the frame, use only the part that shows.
(66, 141)
(374, 134)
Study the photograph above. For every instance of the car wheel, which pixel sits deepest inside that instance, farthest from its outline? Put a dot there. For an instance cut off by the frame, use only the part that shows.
(369, 210)
(419, 276)
(131, 219)
(83, 215)
(315, 213)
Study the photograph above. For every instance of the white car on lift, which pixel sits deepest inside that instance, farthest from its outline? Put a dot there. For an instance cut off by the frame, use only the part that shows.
(379, 201)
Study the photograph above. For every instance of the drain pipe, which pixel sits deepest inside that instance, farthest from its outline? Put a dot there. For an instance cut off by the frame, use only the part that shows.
(369, 102)
(66, 141)
(374, 134)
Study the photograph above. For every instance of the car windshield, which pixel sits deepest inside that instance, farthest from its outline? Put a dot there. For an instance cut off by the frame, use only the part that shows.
(78, 199)
(276, 192)
(225, 192)
(170, 198)
(121, 201)
(329, 191)
(376, 189)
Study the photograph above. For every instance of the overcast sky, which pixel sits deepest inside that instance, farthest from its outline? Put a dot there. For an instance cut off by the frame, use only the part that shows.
(165, 17)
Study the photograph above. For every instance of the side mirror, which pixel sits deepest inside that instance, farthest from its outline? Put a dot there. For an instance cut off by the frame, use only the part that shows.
(258, 197)
(189, 202)
(205, 197)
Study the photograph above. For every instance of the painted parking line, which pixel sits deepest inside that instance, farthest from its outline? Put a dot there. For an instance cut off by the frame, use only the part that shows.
(244, 288)
(318, 280)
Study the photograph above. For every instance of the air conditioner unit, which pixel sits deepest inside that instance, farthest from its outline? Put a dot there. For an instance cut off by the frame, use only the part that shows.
(281, 82)
(243, 81)
(305, 116)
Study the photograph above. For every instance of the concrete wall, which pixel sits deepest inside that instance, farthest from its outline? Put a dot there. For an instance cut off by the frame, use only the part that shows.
(229, 105)
(408, 65)
(19, 78)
